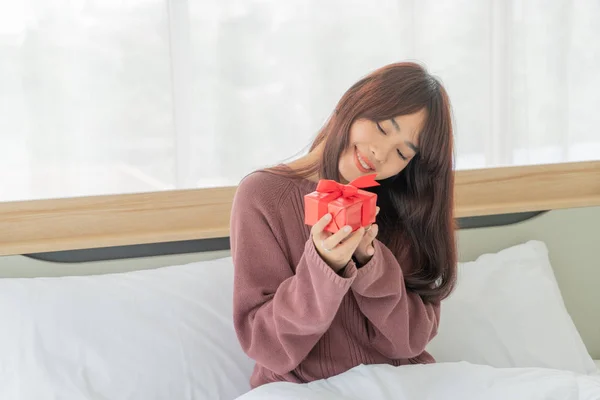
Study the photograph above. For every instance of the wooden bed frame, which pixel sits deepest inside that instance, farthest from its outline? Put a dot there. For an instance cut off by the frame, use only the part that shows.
(127, 219)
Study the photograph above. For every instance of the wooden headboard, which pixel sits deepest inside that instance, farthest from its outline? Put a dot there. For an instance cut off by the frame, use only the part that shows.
(127, 219)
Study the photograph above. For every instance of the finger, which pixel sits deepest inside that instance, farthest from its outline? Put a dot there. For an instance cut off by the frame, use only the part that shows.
(350, 244)
(337, 237)
(366, 244)
(370, 232)
(373, 231)
(321, 225)
(377, 210)
(370, 249)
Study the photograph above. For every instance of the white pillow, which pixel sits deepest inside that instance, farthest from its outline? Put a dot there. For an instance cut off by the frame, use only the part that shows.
(507, 311)
(156, 334)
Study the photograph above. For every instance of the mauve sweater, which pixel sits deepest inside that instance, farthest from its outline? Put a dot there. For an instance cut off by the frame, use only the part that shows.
(297, 318)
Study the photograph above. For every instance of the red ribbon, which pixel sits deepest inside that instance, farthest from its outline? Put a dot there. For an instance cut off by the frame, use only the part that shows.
(349, 190)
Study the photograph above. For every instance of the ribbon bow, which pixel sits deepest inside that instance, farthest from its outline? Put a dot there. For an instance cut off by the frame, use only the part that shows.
(349, 190)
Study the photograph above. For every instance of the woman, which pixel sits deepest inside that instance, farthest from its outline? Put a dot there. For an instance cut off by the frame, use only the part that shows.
(309, 304)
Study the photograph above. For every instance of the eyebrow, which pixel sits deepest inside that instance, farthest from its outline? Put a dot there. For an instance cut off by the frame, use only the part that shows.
(414, 147)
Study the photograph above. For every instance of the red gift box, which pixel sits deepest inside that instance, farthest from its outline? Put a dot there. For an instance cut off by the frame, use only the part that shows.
(347, 203)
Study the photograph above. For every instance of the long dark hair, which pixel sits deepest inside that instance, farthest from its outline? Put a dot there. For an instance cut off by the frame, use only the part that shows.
(416, 220)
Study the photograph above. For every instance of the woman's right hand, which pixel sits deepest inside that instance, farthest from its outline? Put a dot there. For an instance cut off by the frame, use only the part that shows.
(336, 249)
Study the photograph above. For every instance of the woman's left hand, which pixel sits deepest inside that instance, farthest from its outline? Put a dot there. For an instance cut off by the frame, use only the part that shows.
(365, 249)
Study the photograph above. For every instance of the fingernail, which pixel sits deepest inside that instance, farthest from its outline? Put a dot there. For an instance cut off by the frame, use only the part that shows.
(327, 217)
(347, 228)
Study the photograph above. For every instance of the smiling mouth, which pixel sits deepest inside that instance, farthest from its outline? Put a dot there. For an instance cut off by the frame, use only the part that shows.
(363, 164)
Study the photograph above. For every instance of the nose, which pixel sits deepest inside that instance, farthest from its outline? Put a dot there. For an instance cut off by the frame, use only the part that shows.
(379, 152)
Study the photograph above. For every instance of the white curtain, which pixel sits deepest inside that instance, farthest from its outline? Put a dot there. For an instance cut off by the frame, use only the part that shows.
(117, 96)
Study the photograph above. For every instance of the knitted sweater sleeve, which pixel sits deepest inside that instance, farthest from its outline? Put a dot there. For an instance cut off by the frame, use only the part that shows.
(280, 310)
(400, 324)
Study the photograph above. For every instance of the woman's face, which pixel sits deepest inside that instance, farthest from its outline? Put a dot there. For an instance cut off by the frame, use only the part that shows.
(384, 147)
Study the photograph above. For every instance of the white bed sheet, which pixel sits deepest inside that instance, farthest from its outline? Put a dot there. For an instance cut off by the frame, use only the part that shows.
(597, 362)
(444, 381)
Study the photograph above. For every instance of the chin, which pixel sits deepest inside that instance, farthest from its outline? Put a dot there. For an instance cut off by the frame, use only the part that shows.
(349, 173)
(345, 177)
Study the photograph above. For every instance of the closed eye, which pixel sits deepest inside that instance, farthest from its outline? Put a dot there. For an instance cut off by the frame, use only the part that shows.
(382, 131)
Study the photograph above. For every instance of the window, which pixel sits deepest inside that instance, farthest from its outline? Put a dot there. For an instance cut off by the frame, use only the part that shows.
(120, 96)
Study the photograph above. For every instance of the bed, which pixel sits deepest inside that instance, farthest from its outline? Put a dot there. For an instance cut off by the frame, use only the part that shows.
(99, 300)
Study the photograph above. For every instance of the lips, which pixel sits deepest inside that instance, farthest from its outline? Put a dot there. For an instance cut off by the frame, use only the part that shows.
(357, 161)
